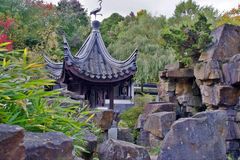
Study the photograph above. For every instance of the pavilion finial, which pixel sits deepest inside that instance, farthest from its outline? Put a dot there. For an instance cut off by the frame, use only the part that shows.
(96, 25)
(95, 11)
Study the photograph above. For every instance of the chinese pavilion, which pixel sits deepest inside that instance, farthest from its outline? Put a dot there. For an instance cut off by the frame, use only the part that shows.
(93, 73)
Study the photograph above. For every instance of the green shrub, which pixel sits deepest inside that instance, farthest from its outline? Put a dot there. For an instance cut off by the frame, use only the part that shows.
(155, 151)
(130, 116)
(142, 100)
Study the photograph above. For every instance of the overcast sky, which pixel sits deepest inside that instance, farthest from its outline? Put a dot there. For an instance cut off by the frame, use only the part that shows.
(156, 7)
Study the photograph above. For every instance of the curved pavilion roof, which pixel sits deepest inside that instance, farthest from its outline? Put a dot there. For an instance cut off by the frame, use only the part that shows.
(93, 62)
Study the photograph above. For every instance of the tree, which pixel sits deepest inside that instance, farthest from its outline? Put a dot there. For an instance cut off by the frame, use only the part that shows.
(73, 20)
(142, 32)
(189, 41)
(230, 17)
(186, 13)
(108, 25)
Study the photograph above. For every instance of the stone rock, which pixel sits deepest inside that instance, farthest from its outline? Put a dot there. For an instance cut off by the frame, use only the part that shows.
(162, 74)
(232, 145)
(124, 134)
(226, 43)
(183, 87)
(168, 97)
(231, 71)
(237, 117)
(180, 73)
(189, 100)
(113, 133)
(77, 158)
(154, 141)
(169, 86)
(154, 107)
(91, 144)
(73, 95)
(174, 66)
(159, 123)
(143, 138)
(104, 119)
(11, 143)
(209, 70)
(233, 131)
(48, 146)
(220, 95)
(120, 150)
(140, 122)
(231, 113)
(201, 137)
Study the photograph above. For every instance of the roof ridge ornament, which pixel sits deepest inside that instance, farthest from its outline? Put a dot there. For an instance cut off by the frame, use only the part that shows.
(95, 25)
(95, 11)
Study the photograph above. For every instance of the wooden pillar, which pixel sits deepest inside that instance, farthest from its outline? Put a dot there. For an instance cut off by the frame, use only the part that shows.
(92, 98)
(111, 97)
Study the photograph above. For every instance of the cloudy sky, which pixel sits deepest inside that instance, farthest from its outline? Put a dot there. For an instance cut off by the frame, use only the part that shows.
(156, 7)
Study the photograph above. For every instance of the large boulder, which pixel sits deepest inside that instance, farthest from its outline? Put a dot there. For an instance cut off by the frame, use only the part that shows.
(201, 137)
(121, 150)
(48, 146)
(104, 119)
(11, 143)
(159, 123)
(226, 43)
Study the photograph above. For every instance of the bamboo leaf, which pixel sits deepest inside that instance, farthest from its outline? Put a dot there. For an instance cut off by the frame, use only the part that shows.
(5, 44)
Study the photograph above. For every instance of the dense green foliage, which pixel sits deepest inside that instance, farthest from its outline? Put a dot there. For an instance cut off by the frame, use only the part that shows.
(142, 32)
(189, 41)
(186, 13)
(230, 17)
(109, 25)
(37, 25)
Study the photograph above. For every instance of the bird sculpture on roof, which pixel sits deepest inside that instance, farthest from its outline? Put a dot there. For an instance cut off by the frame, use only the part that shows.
(95, 11)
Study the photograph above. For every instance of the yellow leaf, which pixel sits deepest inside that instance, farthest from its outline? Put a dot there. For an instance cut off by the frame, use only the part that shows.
(25, 52)
(90, 118)
(34, 65)
(5, 44)
(6, 97)
(4, 62)
(3, 50)
(25, 55)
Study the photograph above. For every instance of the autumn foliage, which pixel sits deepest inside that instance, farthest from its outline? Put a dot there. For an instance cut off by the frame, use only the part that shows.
(230, 17)
(4, 28)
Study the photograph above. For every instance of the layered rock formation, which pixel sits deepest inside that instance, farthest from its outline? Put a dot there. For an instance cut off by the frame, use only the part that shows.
(212, 83)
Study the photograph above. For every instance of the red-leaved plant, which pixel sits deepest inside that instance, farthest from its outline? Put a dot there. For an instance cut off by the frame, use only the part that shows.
(5, 25)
